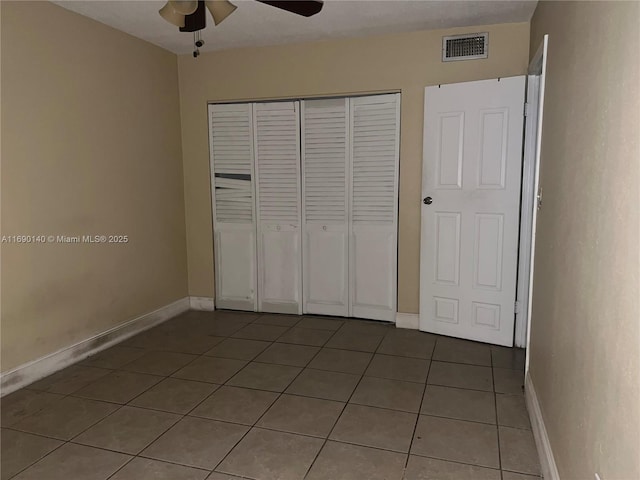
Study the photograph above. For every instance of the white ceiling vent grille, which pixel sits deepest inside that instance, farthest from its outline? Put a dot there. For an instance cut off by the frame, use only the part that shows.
(465, 47)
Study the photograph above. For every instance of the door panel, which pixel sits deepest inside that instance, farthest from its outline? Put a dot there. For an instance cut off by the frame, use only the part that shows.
(280, 253)
(325, 268)
(375, 144)
(325, 187)
(277, 153)
(373, 265)
(232, 185)
(469, 233)
(235, 276)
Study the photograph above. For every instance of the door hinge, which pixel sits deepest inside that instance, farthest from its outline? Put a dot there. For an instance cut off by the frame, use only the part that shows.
(517, 307)
(526, 109)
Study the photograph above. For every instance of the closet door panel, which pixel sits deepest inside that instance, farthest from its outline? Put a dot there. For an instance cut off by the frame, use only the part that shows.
(231, 157)
(277, 154)
(375, 132)
(325, 183)
(374, 254)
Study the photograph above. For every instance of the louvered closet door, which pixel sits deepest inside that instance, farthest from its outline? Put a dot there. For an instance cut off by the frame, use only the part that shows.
(375, 130)
(277, 153)
(325, 186)
(231, 150)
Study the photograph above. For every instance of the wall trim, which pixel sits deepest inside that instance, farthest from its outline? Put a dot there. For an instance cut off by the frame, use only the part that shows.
(547, 460)
(407, 320)
(202, 303)
(36, 369)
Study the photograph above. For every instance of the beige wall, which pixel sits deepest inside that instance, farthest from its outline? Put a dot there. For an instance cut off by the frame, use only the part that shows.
(407, 62)
(90, 145)
(585, 337)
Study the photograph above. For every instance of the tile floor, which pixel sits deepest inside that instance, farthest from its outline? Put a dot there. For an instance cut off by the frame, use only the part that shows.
(224, 395)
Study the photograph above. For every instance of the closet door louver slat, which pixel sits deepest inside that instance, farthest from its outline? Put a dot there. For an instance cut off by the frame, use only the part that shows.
(325, 174)
(375, 132)
(277, 154)
(231, 156)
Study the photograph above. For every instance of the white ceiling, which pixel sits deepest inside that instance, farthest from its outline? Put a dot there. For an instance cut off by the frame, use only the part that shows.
(256, 24)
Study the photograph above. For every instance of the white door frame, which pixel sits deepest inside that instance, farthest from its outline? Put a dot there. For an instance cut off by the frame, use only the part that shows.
(531, 194)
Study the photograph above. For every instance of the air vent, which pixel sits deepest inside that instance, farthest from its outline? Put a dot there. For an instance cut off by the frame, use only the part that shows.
(465, 47)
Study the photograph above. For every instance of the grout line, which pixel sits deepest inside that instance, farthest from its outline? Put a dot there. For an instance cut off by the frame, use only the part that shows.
(272, 403)
(340, 415)
(424, 391)
(495, 405)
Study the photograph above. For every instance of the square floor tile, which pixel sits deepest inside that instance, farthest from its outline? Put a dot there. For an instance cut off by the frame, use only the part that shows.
(178, 341)
(196, 442)
(304, 415)
(512, 411)
(272, 455)
(508, 381)
(385, 393)
(288, 354)
(320, 323)
(147, 469)
(69, 380)
(345, 361)
(504, 357)
(129, 430)
(18, 405)
(225, 328)
(236, 405)
(375, 427)
(19, 450)
(341, 461)
(461, 376)
(459, 403)
(118, 387)
(457, 440)
(160, 363)
(462, 351)
(222, 476)
(238, 348)
(408, 343)
(279, 320)
(256, 331)
(421, 468)
(367, 327)
(518, 451)
(519, 476)
(355, 340)
(210, 369)
(327, 385)
(66, 418)
(398, 368)
(73, 461)
(233, 316)
(114, 357)
(265, 376)
(306, 336)
(174, 395)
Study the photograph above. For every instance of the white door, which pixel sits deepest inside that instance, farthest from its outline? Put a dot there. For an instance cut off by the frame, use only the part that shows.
(231, 156)
(470, 212)
(375, 140)
(277, 154)
(325, 186)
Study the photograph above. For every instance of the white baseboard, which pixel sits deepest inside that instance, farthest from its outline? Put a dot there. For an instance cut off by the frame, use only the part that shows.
(547, 461)
(407, 320)
(36, 369)
(202, 303)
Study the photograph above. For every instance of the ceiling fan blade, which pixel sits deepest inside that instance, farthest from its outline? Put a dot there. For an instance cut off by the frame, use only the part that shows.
(197, 20)
(306, 8)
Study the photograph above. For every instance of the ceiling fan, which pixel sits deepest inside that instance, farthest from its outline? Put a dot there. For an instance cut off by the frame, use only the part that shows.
(190, 15)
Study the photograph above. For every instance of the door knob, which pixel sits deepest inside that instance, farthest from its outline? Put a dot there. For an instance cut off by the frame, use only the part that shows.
(427, 201)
